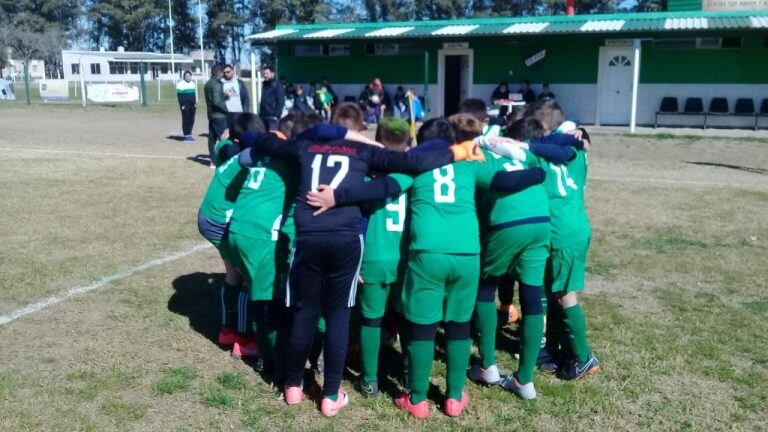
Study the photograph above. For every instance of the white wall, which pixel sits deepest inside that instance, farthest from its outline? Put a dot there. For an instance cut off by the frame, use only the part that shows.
(86, 60)
(15, 69)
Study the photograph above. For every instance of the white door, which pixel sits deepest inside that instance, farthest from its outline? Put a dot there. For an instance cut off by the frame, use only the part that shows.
(465, 79)
(614, 85)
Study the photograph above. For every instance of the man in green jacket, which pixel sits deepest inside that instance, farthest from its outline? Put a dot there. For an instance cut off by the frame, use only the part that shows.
(217, 108)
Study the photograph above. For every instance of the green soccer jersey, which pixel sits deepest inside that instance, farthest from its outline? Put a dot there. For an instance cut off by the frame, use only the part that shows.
(223, 190)
(531, 204)
(443, 216)
(564, 184)
(265, 196)
(384, 241)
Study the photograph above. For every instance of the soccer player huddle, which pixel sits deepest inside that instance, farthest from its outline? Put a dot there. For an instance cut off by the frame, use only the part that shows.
(315, 220)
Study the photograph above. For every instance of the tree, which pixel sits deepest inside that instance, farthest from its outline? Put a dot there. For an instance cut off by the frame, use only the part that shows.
(184, 26)
(27, 45)
(135, 25)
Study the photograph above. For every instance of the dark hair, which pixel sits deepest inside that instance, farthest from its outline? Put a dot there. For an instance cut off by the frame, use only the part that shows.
(526, 82)
(246, 122)
(475, 108)
(436, 128)
(548, 112)
(228, 66)
(503, 83)
(515, 114)
(545, 85)
(287, 123)
(466, 126)
(186, 72)
(349, 115)
(217, 68)
(393, 133)
(306, 121)
(526, 129)
(265, 67)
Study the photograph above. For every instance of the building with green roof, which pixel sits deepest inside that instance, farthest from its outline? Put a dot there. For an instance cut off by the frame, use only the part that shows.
(593, 63)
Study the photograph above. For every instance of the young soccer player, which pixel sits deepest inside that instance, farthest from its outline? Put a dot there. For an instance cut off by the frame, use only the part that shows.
(570, 238)
(382, 261)
(479, 110)
(443, 269)
(214, 217)
(328, 251)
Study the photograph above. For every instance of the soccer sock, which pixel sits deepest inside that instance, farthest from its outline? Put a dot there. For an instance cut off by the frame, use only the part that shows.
(458, 347)
(370, 344)
(266, 334)
(228, 294)
(532, 331)
(554, 325)
(244, 327)
(335, 348)
(300, 342)
(486, 320)
(576, 325)
(506, 289)
(403, 330)
(421, 354)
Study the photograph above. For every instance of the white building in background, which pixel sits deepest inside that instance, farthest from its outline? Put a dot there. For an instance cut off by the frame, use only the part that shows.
(15, 70)
(121, 65)
(196, 67)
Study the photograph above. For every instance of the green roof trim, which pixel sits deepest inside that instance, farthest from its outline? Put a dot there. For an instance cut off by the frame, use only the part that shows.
(606, 23)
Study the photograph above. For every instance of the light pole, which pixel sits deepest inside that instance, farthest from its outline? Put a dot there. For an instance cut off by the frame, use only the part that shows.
(202, 51)
(170, 30)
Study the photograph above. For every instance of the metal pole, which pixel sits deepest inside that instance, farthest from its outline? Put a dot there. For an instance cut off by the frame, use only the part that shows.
(143, 85)
(158, 89)
(426, 81)
(170, 30)
(253, 81)
(635, 82)
(202, 51)
(257, 103)
(26, 82)
(82, 80)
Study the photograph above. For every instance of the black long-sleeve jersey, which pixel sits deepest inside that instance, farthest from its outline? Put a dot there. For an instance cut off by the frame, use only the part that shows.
(337, 164)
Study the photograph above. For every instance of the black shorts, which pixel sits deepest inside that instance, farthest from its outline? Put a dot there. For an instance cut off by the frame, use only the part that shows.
(324, 270)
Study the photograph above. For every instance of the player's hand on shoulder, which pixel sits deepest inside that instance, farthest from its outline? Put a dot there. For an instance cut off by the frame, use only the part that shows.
(323, 199)
(225, 134)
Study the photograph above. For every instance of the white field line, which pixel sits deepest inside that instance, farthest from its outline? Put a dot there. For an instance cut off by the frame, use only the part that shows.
(672, 182)
(74, 152)
(67, 294)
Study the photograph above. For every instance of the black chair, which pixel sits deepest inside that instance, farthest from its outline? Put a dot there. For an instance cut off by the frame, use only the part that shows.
(745, 107)
(764, 107)
(668, 106)
(718, 105)
(693, 105)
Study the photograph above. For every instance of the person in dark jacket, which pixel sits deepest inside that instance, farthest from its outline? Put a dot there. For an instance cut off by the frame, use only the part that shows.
(501, 93)
(272, 99)
(301, 102)
(185, 92)
(528, 95)
(217, 108)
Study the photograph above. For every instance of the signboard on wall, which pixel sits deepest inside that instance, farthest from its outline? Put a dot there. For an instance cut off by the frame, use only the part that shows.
(534, 57)
(734, 5)
(54, 90)
(112, 93)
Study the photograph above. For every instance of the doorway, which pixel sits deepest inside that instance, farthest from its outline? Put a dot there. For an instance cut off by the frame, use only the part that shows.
(454, 79)
(614, 85)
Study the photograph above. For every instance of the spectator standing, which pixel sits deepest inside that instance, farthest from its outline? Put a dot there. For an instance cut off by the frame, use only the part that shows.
(185, 92)
(400, 103)
(528, 95)
(329, 88)
(546, 94)
(501, 93)
(235, 94)
(217, 108)
(324, 102)
(272, 99)
(375, 100)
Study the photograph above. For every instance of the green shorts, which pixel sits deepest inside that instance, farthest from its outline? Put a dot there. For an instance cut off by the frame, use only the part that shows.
(256, 259)
(374, 298)
(440, 287)
(520, 250)
(566, 267)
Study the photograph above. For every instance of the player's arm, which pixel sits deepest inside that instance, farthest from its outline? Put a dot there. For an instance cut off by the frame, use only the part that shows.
(415, 162)
(559, 154)
(516, 181)
(355, 193)
(267, 143)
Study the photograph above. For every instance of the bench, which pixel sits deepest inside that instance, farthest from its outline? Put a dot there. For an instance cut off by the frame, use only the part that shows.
(718, 106)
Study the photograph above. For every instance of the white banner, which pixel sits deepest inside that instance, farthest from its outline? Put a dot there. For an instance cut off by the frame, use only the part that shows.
(54, 90)
(112, 93)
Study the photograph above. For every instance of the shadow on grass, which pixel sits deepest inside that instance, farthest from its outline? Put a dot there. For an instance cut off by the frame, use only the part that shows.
(196, 296)
(202, 159)
(762, 171)
(175, 137)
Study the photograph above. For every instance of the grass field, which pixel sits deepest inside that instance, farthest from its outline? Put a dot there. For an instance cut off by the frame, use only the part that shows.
(677, 297)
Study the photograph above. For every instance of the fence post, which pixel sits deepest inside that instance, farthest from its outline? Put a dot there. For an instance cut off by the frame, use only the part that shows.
(26, 82)
(158, 89)
(143, 85)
